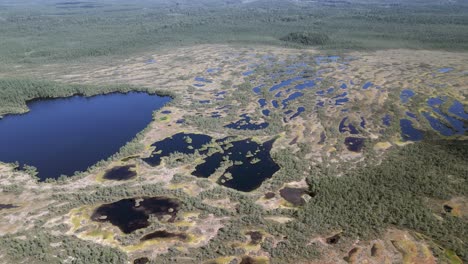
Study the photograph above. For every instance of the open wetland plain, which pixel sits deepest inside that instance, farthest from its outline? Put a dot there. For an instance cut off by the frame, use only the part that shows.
(213, 179)
(233, 153)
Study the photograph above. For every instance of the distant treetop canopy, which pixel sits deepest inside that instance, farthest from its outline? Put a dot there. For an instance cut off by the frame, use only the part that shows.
(307, 38)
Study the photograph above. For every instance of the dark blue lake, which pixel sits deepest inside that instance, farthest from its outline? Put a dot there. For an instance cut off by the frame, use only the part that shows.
(61, 136)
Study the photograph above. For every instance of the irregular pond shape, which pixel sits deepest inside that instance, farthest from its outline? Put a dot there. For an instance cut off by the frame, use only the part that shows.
(445, 70)
(354, 144)
(61, 136)
(457, 109)
(288, 112)
(320, 104)
(405, 95)
(181, 142)
(254, 170)
(121, 173)
(220, 93)
(300, 110)
(411, 114)
(323, 137)
(291, 97)
(275, 103)
(207, 168)
(330, 90)
(367, 85)
(285, 83)
(143, 260)
(279, 94)
(343, 86)
(456, 124)
(333, 239)
(180, 121)
(255, 237)
(305, 85)
(133, 214)
(340, 95)
(248, 73)
(321, 92)
(294, 141)
(363, 122)
(294, 195)
(245, 124)
(225, 107)
(347, 128)
(437, 125)
(163, 234)
(434, 102)
(213, 70)
(253, 157)
(386, 120)
(266, 112)
(341, 101)
(258, 89)
(7, 206)
(408, 132)
(202, 79)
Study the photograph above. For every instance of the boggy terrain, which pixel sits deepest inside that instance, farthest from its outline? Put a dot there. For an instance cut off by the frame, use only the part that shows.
(338, 146)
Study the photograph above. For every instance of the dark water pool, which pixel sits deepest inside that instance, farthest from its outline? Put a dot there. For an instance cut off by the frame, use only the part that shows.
(133, 214)
(254, 170)
(294, 195)
(408, 132)
(354, 144)
(7, 206)
(386, 120)
(347, 128)
(367, 85)
(252, 165)
(406, 94)
(291, 97)
(445, 70)
(163, 234)
(458, 109)
(121, 173)
(300, 110)
(61, 136)
(181, 142)
(246, 124)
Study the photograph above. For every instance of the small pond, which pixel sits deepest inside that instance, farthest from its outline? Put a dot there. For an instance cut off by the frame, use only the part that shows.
(246, 124)
(252, 165)
(294, 195)
(181, 142)
(133, 214)
(354, 144)
(121, 173)
(408, 132)
(163, 234)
